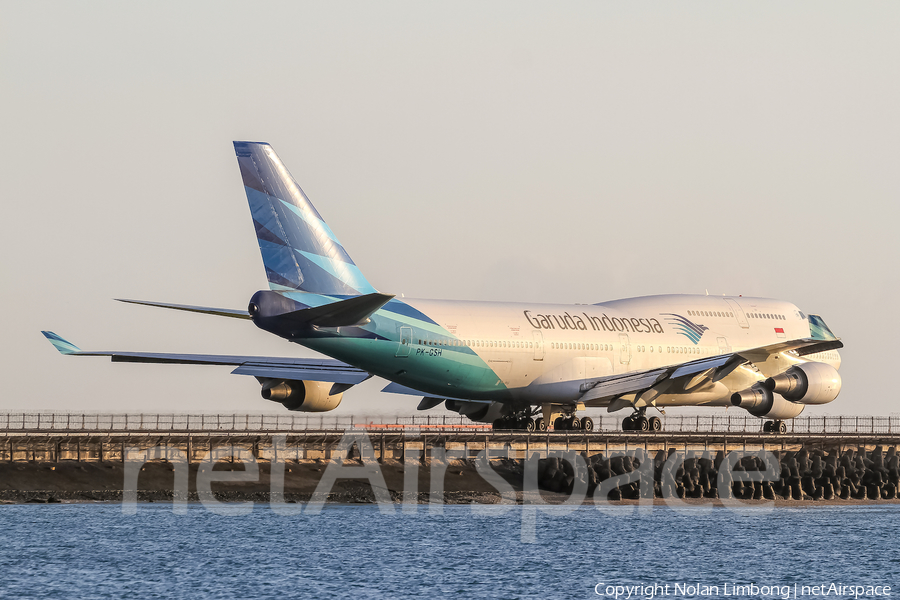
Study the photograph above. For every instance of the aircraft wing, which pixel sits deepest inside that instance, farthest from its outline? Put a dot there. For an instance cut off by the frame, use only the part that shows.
(310, 369)
(601, 391)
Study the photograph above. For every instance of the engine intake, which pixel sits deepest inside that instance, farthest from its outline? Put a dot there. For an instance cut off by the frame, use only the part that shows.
(807, 383)
(303, 396)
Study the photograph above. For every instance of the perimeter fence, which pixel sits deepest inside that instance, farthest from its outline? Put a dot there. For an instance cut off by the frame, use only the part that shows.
(174, 422)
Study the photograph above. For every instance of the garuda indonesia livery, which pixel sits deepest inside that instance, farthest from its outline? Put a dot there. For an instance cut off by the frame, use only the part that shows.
(516, 365)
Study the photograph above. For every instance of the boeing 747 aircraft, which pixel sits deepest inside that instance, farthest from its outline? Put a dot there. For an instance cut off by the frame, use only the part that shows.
(516, 365)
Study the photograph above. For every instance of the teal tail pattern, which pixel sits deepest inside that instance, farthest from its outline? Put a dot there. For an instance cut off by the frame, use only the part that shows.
(299, 250)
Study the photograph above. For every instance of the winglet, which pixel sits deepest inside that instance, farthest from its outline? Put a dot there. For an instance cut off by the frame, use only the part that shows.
(64, 346)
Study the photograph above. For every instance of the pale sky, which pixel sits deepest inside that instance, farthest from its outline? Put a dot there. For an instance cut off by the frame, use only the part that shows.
(539, 151)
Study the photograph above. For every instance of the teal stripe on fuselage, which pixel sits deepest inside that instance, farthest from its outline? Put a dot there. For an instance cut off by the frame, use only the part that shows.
(440, 369)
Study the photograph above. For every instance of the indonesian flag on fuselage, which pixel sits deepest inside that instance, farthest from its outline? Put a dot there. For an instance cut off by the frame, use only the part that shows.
(779, 331)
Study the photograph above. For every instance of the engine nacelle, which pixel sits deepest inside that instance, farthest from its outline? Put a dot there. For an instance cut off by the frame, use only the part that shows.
(807, 383)
(761, 402)
(480, 412)
(302, 396)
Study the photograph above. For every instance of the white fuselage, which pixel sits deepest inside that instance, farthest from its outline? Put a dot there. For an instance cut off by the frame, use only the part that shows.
(551, 353)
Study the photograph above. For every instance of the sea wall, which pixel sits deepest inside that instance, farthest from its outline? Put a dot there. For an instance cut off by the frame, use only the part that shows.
(816, 474)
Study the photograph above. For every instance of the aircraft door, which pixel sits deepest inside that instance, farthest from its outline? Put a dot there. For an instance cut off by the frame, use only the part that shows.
(405, 342)
(724, 348)
(738, 312)
(538, 345)
(624, 349)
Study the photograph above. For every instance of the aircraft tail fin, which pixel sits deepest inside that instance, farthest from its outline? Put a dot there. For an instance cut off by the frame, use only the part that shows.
(299, 250)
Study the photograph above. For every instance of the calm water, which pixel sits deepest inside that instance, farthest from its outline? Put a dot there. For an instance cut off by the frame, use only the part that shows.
(95, 551)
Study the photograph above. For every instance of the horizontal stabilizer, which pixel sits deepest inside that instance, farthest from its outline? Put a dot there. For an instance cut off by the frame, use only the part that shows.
(221, 312)
(353, 311)
(271, 311)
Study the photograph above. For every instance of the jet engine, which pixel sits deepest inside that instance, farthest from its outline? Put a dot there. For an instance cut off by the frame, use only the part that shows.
(759, 401)
(807, 383)
(480, 412)
(304, 396)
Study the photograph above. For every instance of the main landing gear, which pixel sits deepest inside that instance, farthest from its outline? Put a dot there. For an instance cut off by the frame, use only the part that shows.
(640, 422)
(519, 420)
(775, 427)
(524, 420)
(573, 423)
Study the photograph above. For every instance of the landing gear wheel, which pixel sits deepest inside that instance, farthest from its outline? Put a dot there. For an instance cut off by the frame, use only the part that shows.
(655, 424)
(499, 424)
(559, 424)
(767, 427)
(529, 424)
(540, 424)
(587, 424)
(782, 427)
(574, 423)
(643, 424)
(628, 424)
